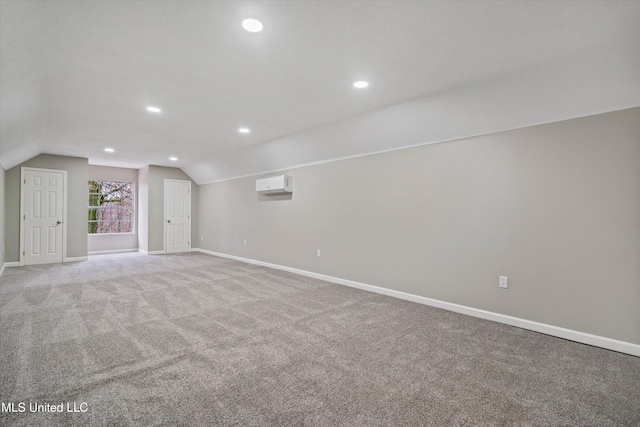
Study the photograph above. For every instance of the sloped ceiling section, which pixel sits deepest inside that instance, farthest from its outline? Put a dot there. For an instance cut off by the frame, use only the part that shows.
(77, 76)
(22, 103)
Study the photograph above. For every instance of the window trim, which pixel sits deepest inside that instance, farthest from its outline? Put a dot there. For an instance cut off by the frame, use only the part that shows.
(134, 207)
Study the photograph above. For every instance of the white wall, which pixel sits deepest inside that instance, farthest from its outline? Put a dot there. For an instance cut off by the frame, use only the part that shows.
(102, 243)
(555, 207)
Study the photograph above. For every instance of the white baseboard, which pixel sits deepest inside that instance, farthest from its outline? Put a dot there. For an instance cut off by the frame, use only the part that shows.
(151, 252)
(568, 334)
(75, 259)
(68, 259)
(114, 251)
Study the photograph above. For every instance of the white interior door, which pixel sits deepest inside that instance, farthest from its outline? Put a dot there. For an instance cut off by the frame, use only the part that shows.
(177, 196)
(43, 202)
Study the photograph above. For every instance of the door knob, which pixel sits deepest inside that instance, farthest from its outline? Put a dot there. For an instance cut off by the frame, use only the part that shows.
(169, 221)
(58, 222)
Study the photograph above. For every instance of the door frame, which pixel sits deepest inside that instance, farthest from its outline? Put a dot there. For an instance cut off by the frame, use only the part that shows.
(164, 215)
(23, 182)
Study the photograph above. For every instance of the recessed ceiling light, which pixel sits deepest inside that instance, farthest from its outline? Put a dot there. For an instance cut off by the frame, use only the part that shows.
(173, 159)
(154, 109)
(109, 150)
(252, 25)
(361, 84)
(244, 130)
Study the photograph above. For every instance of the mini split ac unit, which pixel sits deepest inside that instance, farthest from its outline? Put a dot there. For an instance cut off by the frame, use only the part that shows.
(275, 184)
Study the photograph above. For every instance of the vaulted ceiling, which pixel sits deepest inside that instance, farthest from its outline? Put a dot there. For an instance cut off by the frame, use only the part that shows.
(77, 76)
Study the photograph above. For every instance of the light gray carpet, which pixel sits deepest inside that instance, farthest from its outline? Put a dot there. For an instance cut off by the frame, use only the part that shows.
(199, 340)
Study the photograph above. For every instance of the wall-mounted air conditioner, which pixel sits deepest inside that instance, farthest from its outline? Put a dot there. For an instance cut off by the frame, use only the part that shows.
(275, 184)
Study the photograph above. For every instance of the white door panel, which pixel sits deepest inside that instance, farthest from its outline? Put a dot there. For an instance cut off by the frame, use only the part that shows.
(177, 215)
(43, 193)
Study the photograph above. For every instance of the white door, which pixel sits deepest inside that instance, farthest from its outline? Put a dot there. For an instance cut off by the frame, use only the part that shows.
(177, 196)
(43, 201)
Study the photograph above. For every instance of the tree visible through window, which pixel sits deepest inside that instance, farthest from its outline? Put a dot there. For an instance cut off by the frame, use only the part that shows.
(111, 207)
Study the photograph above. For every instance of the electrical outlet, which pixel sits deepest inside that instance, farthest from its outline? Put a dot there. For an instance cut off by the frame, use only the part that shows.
(202, 237)
(318, 253)
(245, 242)
(504, 282)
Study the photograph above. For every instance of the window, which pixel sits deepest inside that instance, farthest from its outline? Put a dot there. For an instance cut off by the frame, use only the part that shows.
(111, 207)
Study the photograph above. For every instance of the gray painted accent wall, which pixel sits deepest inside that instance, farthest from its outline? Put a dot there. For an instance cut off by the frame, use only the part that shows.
(143, 208)
(150, 201)
(114, 242)
(150, 198)
(555, 207)
(77, 177)
(3, 215)
(151, 181)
